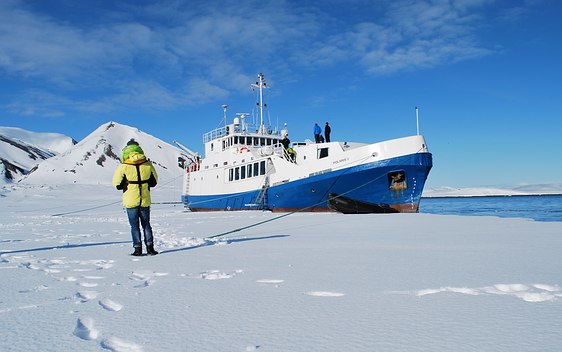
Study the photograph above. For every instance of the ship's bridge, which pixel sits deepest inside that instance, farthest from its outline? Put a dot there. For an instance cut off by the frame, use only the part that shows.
(236, 136)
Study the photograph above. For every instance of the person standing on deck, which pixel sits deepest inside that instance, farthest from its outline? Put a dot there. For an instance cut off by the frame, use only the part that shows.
(135, 176)
(288, 151)
(317, 133)
(286, 142)
(327, 131)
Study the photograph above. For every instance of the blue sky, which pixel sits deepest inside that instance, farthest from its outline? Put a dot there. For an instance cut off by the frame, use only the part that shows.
(486, 74)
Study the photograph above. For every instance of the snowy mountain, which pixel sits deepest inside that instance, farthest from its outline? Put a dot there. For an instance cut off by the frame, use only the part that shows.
(21, 150)
(94, 159)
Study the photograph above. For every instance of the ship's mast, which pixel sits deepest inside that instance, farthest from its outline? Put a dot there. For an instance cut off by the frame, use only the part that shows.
(261, 85)
(224, 108)
(417, 121)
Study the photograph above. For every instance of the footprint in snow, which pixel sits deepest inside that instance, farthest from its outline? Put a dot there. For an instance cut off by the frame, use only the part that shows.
(275, 283)
(68, 278)
(528, 293)
(325, 294)
(35, 289)
(103, 264)
(218, 275)
(31, 266)
(85, 329)
(270, 281)
(110, 305)
(138, 276)
(146, 277)
(146, 283)
(118, 345)
(88, 284)
(51, 271)
(85, 296)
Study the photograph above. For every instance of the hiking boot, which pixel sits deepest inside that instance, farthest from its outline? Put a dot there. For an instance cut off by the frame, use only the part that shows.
(150, 250)
(137, 252)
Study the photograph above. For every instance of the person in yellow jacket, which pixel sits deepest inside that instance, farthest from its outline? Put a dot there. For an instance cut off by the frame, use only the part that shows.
(135, 176)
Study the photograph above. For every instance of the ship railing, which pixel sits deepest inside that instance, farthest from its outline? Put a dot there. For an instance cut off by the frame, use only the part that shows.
(214, 134)
(280, 151)
(194, 166)
(237, 129)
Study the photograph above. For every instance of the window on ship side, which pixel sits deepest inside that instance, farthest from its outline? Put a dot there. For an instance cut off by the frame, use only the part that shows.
(322, 153)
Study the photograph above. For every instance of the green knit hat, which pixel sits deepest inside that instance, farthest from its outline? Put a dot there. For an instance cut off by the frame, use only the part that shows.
(131, 147)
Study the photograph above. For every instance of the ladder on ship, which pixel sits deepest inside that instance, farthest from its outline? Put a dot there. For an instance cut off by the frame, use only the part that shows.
(186, 184)
(262, 197)
(187, 177)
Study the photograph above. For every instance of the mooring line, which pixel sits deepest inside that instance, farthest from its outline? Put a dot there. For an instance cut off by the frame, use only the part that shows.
(298, 210)
(112, 203)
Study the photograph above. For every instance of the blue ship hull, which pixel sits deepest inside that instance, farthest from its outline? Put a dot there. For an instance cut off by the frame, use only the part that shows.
(372, 184)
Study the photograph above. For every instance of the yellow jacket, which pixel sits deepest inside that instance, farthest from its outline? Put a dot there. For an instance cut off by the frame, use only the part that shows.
(135, 176)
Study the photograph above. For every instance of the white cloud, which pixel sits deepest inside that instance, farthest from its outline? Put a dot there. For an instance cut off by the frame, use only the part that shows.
(177, 52)
(412, 35)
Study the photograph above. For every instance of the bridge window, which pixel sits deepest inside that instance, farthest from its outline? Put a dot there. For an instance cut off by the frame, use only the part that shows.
(249, 170)
(237, 174)
(262, 167)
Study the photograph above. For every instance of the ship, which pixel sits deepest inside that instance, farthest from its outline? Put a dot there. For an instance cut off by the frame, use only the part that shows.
(246, 167)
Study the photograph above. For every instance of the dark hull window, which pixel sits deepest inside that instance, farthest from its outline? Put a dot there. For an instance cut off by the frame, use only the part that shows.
(322, 153)
(397, 180)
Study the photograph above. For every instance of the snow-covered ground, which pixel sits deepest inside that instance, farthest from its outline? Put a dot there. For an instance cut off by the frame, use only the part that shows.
(303, 282)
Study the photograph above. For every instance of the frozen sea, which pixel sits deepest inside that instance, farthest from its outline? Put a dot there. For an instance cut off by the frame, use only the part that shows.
(304, 282)
(540, 208)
